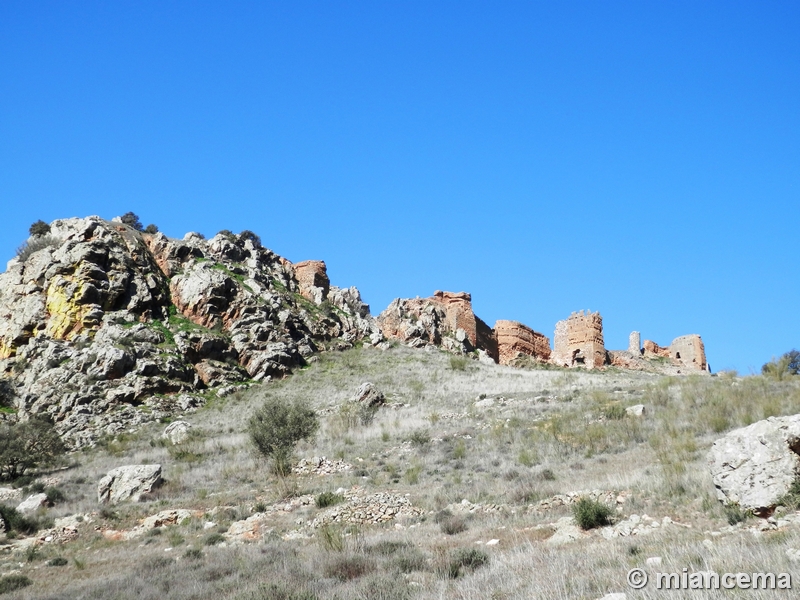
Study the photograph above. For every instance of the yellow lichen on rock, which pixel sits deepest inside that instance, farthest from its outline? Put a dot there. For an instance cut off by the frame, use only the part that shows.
(7, 349)
(66, 314)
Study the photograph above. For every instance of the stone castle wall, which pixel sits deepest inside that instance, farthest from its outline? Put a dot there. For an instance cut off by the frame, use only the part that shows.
(578, 341)
(515, 339)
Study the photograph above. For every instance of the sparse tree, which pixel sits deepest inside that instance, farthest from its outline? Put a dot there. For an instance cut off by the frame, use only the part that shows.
(131, 219)
(153, 229)
(783, 367)
(277, 426)
(39, 228)
(24, 446)
(249, 235)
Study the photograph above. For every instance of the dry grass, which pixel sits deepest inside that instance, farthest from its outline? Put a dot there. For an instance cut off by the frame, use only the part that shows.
(544, 432)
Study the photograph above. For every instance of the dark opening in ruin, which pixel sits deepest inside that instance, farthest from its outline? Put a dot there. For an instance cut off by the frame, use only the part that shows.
(677, 355)
(578, 358)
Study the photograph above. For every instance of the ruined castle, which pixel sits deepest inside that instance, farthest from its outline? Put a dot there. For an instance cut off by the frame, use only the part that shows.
(447, 320)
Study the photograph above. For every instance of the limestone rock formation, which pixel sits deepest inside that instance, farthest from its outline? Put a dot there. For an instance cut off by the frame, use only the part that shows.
(32, 503)
(515, 339)
(578, 341)
(312, 277)
(128, 483)
(755, 465)
(445, 319)
(369, 395)
(177, 432)
(102, 321)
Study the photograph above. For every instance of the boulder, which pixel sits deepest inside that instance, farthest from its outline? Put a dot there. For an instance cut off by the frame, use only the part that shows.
(368, 395)
(32, 503)
(637, 410)
(177, 432)
(128, 483)
(755, 465)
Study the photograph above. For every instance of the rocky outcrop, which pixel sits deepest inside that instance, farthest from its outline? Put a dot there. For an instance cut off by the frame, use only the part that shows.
(369, 395)
(578, 341)
(445, 319)
(515, 339)
(177, 432)
(312, 278)
(103, 327)
(128, 483)
(755, 465)
(32, 503)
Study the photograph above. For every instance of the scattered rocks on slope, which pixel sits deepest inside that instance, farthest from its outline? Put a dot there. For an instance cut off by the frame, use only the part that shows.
(319, 465)
(128, 483)
(755, 465)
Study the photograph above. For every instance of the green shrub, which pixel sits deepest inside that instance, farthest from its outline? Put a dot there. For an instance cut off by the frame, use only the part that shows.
(326, 499)
(409, 560)
(34, 245)
(249, 235)
(277, 426)
(791, 499)
(420, 437)
(58, 561)
(54, 495)
(280, 591)
(212, 539)
(151, 229)
(458, 363)
(615, 412)
(39, 228)
(131, 219)
(26, 445)
(193, 554)
(10, 583)
(453, 525)
(466, 558)
(16, 522)
(590, 514)
(347, 567)
(736, 514)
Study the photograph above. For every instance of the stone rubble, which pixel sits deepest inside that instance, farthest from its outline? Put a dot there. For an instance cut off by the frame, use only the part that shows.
(320, 465)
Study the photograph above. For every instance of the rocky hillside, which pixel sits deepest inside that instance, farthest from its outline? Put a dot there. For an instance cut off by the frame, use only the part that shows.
(103, 327)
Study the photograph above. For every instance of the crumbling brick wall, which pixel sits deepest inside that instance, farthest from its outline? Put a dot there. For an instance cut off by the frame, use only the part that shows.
(578, 341)
(515, 339)
(690, 351)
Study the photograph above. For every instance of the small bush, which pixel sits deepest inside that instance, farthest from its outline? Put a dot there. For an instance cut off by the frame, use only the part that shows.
(420, 437)
(58, 561)
(458, 363)
(151, 229)
(212, 539)
(590, 514)
(791, 499)
(331, 538)
(410, 560)
(27, 445)
(131, 219)
(453, 525)
(16, 522)
(10, 583)
(615, 412)
(326, 499)
(277, 426)
(54, 495)
(547, 475)
(193, 554)
(39, 228)
(349, 567)
(466, 558)
(280, 591)
(34, 245)
(736, 514)
(249, 235)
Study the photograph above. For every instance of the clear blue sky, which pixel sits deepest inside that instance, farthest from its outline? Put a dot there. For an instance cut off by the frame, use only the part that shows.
(637, 158)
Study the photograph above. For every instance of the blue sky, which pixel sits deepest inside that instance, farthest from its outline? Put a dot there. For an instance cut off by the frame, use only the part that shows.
(636, 158)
